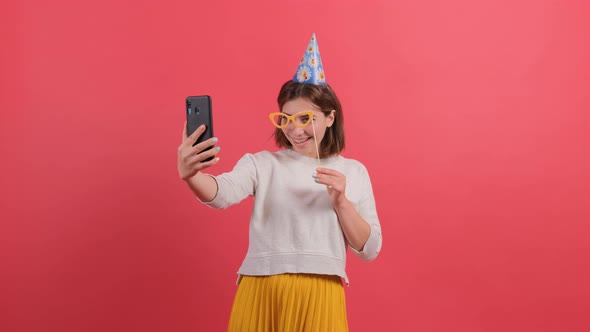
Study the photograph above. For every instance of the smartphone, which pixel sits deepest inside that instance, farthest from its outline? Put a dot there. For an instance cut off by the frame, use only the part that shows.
(198, 112)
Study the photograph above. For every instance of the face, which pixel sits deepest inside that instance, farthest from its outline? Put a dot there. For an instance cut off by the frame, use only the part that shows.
(302, 139)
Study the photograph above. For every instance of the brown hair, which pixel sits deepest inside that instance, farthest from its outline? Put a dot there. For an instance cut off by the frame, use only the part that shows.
(325, 98)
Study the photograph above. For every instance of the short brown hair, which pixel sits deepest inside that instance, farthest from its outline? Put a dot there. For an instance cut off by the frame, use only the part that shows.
(325, 98)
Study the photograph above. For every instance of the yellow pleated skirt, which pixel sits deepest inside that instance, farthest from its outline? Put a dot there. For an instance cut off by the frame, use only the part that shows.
(289, 303)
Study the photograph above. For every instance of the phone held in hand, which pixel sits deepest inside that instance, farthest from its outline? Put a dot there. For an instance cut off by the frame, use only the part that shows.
(198, 112)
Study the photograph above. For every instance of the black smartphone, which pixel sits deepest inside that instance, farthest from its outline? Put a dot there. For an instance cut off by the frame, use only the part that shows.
(198, 112)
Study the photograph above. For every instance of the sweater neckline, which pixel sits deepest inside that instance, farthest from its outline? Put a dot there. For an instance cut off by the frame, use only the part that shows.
(309, 160)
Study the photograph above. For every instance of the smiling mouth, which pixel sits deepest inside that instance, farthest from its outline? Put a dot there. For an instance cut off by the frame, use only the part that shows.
(300, 141)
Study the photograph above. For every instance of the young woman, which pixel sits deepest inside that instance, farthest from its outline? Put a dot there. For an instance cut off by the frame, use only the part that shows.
(310, 204)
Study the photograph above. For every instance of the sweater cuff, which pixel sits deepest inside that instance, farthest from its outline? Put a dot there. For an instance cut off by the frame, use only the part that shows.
(371, 248)
(214, 203)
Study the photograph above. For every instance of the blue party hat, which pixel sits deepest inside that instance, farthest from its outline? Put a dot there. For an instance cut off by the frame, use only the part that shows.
(311, 70)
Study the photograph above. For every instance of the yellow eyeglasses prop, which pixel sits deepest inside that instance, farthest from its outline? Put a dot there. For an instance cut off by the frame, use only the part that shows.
(299, 119)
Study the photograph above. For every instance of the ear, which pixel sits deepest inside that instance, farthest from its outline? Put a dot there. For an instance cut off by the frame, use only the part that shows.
(330, 118)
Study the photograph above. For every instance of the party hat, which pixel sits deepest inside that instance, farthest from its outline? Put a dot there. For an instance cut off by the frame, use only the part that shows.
(311, 70)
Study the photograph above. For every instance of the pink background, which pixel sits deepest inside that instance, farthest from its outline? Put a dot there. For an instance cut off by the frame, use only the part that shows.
(471, 116)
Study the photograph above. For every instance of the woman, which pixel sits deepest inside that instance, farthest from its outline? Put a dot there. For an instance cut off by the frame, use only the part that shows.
(310, 205)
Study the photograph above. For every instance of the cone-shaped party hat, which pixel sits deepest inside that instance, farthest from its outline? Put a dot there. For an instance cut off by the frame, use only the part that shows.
(310, 69)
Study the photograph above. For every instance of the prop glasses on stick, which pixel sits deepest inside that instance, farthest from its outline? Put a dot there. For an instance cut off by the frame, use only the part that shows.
(299, 120)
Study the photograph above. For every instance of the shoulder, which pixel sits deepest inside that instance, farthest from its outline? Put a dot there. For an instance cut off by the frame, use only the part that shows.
(358, 179)
(264, 155)
(352, 164)
(262, 158)
(265, 163)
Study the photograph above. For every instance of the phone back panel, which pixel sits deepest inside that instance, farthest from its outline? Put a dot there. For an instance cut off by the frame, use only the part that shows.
(198, 112)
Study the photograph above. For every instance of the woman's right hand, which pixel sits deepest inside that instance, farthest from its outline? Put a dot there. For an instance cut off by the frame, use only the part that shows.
(190, 158)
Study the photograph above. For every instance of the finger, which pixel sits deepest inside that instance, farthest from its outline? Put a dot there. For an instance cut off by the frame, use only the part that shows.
(184, 136)
(198, 162)
(328, 184)
(326, 177)
(322, 179)
(205, 144)
(205, 154)
(210, 162)
(330, 181)
(195, 136)
(328, 171)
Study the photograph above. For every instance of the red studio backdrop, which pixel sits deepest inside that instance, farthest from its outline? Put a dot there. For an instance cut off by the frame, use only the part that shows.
(471, 117)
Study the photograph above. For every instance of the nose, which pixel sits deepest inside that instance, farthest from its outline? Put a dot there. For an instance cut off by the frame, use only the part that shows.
(294, 129)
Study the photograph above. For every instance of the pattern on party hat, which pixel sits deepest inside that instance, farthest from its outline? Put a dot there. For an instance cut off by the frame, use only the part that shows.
(310, 69)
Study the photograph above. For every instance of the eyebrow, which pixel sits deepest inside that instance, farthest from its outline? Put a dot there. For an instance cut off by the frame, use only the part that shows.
(298, 112)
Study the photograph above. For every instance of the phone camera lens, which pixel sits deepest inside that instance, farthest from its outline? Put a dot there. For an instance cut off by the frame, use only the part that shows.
(188, 103)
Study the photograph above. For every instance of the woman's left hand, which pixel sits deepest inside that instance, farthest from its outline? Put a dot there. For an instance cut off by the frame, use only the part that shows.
(334, 181)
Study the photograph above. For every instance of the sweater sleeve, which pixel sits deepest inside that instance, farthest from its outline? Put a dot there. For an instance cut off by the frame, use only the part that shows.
(368, 211)
(236, 185)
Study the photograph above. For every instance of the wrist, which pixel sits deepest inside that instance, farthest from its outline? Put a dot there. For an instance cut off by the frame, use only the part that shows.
(342, 202)
(188, 178)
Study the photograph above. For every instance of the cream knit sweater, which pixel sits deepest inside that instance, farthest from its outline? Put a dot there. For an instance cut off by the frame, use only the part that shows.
(293, 227)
